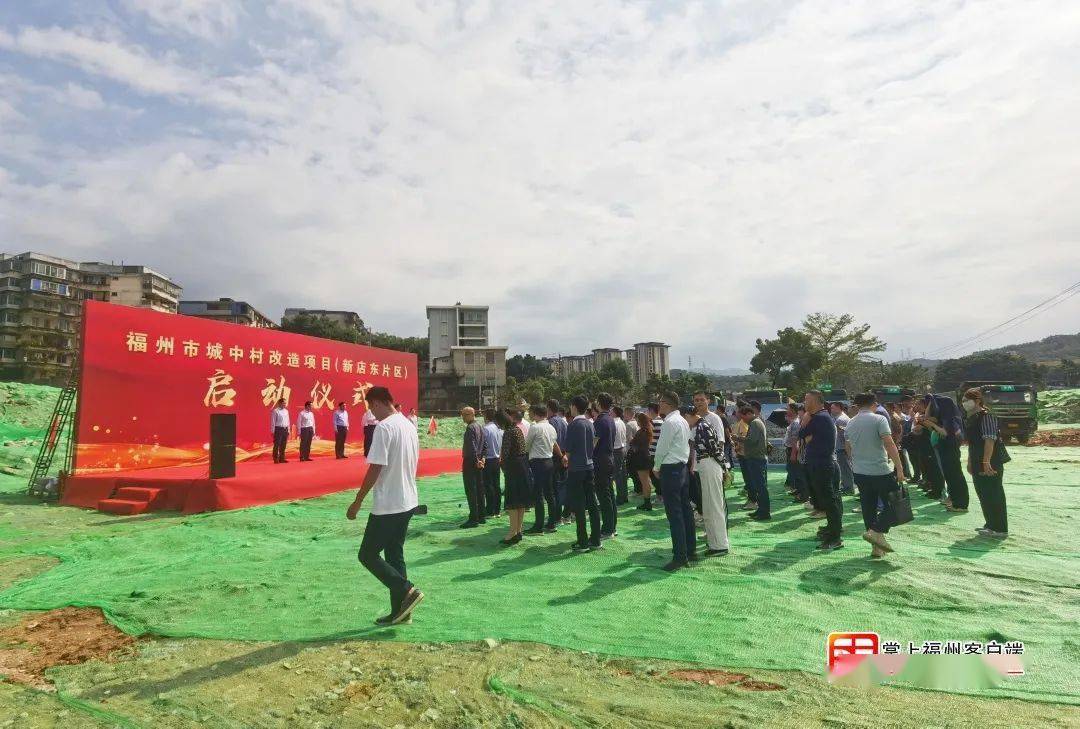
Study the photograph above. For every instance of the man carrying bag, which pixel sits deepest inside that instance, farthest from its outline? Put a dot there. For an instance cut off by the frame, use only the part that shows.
(870, 446)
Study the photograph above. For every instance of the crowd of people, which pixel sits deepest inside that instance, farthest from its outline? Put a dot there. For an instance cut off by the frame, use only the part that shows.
(576, 466)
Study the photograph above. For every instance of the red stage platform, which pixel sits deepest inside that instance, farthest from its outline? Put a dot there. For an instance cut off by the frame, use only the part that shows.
(189, 489)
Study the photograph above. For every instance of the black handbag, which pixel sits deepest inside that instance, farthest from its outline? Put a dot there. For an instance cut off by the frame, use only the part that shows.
(901, 506)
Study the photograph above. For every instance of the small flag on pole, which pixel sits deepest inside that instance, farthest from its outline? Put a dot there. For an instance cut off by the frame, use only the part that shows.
(433, 426)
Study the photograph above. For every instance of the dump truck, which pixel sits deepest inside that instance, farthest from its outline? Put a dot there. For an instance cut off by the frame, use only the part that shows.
(834, 394)
(892, 393)
(1014, 404)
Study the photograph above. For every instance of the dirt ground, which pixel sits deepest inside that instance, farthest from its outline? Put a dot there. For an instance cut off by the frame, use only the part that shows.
(1058, 437)
(99, 678)
(62, 637)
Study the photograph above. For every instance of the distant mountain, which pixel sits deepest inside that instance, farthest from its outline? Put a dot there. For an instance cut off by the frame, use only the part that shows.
(1048, 351)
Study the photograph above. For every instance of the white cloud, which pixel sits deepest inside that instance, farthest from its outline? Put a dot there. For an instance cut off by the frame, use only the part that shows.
(130, 65)
(746, 162)
(81, 97)
(207, 19)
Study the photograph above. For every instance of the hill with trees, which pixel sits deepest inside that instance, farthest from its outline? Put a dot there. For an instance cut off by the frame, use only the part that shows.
(1048, 351)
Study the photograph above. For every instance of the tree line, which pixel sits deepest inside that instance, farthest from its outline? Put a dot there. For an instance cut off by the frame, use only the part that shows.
(317, 325)
(824, 349)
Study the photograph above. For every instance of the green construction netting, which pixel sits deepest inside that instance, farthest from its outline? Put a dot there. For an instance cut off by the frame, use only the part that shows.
(289, 572)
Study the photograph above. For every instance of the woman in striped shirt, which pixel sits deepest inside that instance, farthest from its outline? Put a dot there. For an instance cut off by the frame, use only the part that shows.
(986, 462)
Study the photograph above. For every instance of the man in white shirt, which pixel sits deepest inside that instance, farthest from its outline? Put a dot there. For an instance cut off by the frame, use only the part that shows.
(305, 428)
(631, 430)
(391, 477)
(672, 455)
(279, 428)
(622, 495)
(541, 445)
(341, 430)
(843, 461)
(368, 423)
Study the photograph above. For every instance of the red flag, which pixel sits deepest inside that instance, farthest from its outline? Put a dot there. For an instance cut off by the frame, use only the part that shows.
(433, 426)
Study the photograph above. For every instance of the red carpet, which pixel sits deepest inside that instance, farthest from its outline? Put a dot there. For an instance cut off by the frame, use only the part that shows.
(190, 490)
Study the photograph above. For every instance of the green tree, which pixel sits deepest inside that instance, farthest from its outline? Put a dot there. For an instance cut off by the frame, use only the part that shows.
(986, 366)
(416, 345)
(905, 374)
(618, 370)
(526, 367)
(1070, 371)
(510, 394)
(534, 391)
(323, 327)
(844, 345)
(688, 383)
(657, 385)
(788, 361)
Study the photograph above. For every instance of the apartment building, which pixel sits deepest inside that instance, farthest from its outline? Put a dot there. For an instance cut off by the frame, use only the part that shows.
(454, 326)
(41, 308)
(645, 359)
(650, 358)
(479, 366)
(135, 286)
(229, 311)
(349, 318)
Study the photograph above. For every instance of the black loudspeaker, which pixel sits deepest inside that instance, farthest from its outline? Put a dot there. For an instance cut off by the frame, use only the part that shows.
(222, 445)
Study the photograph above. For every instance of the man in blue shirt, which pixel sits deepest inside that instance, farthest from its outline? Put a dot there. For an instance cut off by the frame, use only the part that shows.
(819, 436)
(492, 446)
(558, 477)
(580, 488)
(604, 465)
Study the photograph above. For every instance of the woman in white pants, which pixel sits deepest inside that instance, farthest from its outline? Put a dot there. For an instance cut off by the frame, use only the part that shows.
(707, 466)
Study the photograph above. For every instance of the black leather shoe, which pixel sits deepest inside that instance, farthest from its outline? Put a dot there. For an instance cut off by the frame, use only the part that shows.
(674, 566)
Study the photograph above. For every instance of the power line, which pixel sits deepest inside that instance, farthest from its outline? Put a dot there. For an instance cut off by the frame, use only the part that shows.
(1067, 292)
(1028, 318)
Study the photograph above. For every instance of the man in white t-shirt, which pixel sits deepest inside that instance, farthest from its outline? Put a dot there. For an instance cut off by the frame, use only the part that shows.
(391, 477)
(368, 423)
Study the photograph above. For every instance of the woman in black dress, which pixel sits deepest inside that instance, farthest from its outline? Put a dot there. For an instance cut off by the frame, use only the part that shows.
(517, 484)
(639, 460)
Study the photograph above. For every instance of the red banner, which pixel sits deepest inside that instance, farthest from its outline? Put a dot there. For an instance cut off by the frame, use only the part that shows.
(150, 381)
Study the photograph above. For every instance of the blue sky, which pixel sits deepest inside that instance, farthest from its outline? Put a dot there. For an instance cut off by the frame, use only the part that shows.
(600, 173)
